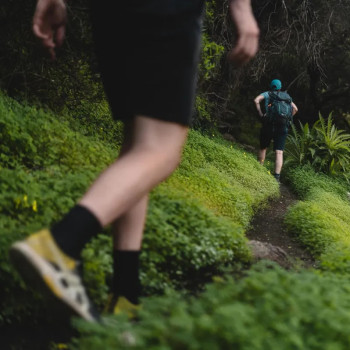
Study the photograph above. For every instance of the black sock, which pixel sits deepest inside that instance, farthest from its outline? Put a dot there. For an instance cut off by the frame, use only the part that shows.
(126, 280)
(76, 228)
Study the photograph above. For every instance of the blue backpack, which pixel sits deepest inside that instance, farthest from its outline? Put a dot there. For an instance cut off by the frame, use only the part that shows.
(280, 111)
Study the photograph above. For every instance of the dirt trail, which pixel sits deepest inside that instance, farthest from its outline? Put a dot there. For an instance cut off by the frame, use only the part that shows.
(267, 227)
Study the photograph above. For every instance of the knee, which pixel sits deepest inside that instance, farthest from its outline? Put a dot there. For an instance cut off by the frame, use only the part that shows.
(163, 157)
(170, 158)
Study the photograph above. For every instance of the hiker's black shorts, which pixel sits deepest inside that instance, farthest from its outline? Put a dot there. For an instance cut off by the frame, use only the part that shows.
(148, 60)
(278, 134)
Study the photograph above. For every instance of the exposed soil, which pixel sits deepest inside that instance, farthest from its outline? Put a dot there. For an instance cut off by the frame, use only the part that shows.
(267, 227)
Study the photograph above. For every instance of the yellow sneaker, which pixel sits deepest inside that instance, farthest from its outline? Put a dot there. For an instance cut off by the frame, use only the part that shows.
(119, 305)
(40, 261)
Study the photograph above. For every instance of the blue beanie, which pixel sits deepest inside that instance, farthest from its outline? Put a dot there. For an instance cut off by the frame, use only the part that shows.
(276, 84)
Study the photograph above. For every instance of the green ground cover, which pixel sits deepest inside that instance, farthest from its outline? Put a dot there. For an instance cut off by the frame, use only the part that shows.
(194, 233)
(268, 309)
(196, 221)
(322, 219)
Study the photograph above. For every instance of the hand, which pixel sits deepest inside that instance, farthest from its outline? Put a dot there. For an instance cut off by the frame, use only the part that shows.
(247, 31)
(49, 23)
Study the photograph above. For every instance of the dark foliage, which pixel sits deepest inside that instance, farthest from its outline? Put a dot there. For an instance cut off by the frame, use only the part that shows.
(303, 43)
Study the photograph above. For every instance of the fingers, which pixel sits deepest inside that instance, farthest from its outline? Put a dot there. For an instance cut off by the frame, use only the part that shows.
(247, 31)
(45, 34)
(245, 49)
(49, 23)
(46, 37)
(38, 32)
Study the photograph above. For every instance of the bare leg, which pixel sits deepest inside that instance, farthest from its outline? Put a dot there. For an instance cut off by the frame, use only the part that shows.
(128, 228)
(279, 161)
(154, 153)
(261, 156)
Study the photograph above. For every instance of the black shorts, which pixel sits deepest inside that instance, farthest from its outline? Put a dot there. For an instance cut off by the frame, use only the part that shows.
(278, 134)
(148, 61)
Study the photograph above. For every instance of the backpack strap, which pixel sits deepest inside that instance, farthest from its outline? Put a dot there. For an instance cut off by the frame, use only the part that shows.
(275, 95)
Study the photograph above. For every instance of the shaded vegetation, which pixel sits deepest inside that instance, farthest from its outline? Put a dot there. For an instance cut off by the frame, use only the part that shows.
(47, 163)
(197, 218)
(323, 146)
(303, 43)
(322, 219)
(269, 308)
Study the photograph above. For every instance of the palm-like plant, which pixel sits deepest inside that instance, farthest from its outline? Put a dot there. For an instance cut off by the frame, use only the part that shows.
(323, 146)
(300, 148)
(333, 147)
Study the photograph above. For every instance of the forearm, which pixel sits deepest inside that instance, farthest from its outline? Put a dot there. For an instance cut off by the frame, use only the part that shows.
(240, 3)
(49, 23)
(257, 101)
(294, 109)
(239, 9)
(258, 108)
(247, 32)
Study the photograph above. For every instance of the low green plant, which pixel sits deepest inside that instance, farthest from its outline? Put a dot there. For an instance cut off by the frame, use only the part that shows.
(268, 309)
(48, 162)
(211, 55)
(322, 220)
(36, 139)
(304, 179)
(225, 178)
(190, 244)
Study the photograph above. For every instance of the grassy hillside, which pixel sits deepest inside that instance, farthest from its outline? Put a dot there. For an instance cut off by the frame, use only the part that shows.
(194, 234)
(196, 221)
(321, 220)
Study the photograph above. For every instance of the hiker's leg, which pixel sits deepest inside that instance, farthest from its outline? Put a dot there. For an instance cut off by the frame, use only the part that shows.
(262, 155)
(127, 238)
(127, 230)
(128, 227)
(265, 138)
(279, 161)
(279, 137)
(154, 154)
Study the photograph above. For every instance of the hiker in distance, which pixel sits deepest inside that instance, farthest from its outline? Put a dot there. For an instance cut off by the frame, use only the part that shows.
(150, 85)
(278, 116)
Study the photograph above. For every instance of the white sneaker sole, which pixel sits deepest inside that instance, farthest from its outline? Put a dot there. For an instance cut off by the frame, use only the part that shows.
(35, 269)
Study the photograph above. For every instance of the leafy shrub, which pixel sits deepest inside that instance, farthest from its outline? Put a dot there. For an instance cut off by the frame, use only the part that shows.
(28, 202)
(190, 244)
(223, 177)
(211, 55)
(270, 309)
(323, 146)
(95, 120)
(203, 112)
(44, 168)
(322, 220)
(300, 145)
(316, 227)
(333, 151)
(48, 162)
(35, 139)
(304, 179)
